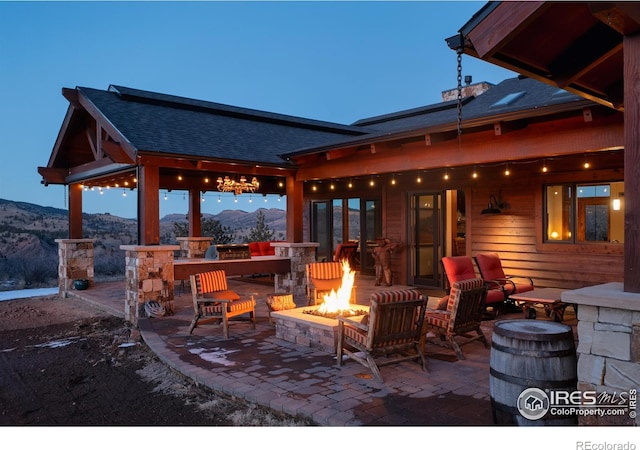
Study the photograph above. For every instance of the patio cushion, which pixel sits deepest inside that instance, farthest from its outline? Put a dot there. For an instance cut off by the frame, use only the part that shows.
(224, 295)
(327, 285)
(458, 268)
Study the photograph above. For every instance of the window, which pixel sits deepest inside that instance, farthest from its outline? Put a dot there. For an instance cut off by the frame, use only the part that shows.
(577, 213)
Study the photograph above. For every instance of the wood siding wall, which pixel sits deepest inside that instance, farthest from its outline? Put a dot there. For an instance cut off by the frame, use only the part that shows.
(517, 236)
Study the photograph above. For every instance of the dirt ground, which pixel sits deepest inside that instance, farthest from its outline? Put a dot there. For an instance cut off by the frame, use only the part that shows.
(62, 362)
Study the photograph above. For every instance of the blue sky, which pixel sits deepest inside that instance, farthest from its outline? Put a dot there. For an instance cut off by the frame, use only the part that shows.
(333, 61)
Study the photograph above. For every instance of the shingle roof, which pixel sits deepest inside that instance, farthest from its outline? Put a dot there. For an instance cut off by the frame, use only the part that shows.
(528, 97)
(166, 124)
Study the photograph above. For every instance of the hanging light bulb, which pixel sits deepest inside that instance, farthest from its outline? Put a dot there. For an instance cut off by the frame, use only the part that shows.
(446, 174)
(219, 199)
(586, 162)
(544, 166)
(165, 196)
(124, 193)
(474, 175)
(507, 172)
(372, 183)
(419, 179)
(350, 185)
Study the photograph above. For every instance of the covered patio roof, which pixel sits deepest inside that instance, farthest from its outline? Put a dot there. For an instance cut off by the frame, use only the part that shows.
(130, 138)
(588, 48)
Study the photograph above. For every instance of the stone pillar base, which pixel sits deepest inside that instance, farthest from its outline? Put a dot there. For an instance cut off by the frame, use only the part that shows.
(608, 349)
(75, 262)
(194, 247)
(300, 254)
(148, 276)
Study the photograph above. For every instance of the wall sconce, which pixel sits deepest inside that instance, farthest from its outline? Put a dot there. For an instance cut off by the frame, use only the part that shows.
(494, 207)
(617, 202)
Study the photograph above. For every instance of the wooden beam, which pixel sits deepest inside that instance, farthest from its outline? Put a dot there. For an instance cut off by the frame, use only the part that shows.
(216, 167)
(494, 32)
(148, 205)
(117, 154)
(295, 210)
(52, 175)
(101, 121)
(195, 223)
(536, 141)
(75, 211)
(590, 50)
(632, 164)
(339, 153)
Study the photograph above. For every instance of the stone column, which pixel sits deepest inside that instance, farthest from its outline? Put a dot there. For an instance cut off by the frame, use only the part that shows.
(608, 347)
(194, 247)
(300, 254)
(148, 276)
(75, 262)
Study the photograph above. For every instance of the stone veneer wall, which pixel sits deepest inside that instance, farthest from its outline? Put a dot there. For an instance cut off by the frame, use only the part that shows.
(148, 276)
(194, 247)
(300, 254)
(608, 344)
(75, 262)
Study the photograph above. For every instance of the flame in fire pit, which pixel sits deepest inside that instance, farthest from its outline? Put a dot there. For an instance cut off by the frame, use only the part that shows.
(335, 302)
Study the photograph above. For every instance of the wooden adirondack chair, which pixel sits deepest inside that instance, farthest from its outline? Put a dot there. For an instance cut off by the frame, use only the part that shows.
(393, 328)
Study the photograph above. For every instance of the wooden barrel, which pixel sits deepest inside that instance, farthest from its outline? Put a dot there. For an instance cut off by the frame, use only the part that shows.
(529, 359)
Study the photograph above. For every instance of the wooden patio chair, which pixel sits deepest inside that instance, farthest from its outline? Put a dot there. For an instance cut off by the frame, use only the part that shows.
(213, 301)
(463, 315)
(490, 267)
(322, 278)
(458, 268)
(392, 328)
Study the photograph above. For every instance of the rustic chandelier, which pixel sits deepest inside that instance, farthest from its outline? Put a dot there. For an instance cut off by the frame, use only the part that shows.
(237, 187)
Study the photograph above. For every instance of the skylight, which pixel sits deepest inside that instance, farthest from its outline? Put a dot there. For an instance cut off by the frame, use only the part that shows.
(508, 99)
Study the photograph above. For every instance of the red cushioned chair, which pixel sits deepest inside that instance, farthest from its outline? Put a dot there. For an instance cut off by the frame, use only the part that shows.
(490, 267)
(459, 268)
(346, 251)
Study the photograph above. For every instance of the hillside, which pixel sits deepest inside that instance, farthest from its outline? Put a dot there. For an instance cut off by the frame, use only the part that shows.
(28, 232)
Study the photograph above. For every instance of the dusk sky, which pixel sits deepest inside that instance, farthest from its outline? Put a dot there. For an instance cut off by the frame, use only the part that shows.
(333, 61)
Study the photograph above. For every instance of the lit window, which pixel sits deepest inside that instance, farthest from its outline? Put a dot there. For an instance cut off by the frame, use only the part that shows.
(594, 214)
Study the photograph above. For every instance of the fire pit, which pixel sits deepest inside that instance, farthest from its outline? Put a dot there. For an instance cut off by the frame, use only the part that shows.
(310, 330)
(316, 326)
(334, 314)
